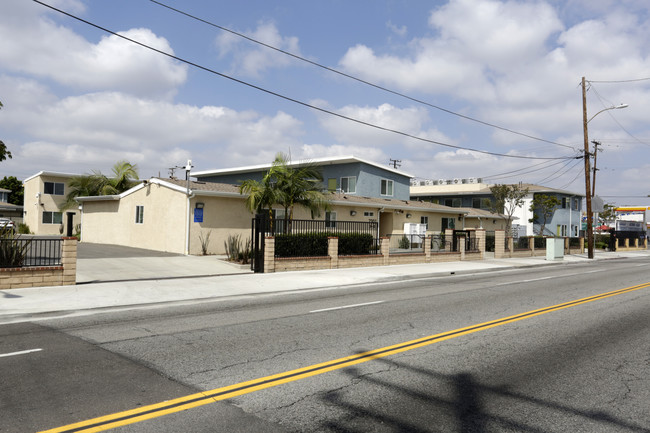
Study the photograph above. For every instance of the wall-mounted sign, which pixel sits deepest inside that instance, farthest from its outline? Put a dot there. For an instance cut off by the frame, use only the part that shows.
(198, 215)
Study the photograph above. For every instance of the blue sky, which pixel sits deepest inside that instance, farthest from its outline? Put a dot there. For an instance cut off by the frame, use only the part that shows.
(77, 99)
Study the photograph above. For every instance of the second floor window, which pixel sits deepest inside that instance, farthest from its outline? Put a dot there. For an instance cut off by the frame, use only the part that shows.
(386, 187)
(53, 188)
(349, 184)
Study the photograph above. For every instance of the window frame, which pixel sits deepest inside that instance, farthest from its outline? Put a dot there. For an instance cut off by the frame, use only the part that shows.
(57, 188)
(51, 219)
(383, 191)
(354, 181)
(139, 214)
(329, 221)
(425, 220)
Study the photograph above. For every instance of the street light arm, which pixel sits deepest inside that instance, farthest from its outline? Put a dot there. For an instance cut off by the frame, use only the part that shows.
(615, 107)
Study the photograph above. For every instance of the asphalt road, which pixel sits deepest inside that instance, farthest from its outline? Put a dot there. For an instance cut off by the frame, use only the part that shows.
(580, 367)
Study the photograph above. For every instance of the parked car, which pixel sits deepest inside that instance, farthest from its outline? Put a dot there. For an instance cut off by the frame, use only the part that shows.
(7, 225)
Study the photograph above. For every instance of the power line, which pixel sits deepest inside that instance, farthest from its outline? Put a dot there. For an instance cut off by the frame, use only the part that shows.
(336, 71)
(524, 170)
(287, 98)
(620, 81)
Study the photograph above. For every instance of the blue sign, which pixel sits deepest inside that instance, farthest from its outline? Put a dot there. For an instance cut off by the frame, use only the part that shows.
(198, 215)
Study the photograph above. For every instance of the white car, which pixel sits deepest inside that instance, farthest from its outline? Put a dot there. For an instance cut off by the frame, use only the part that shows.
(7, 224)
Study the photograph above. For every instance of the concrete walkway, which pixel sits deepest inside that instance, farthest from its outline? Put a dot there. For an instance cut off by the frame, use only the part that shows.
(19, 305)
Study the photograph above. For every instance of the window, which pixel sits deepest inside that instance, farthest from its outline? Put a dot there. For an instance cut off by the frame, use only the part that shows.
(139, 214)
(564, 203)
(330, 219)
(561, 230)
(453, 202)
(52, 217)
(448, 223)
(368, 214)
(386, 187)
(425, 220)
(349, 184)
(279, 218)
(575, 204)
(331, 185)
(53, 188)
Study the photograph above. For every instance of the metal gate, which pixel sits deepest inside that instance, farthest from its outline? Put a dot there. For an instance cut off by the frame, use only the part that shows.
(260, 226)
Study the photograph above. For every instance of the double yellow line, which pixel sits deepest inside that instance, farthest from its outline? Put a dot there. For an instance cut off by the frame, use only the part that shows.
(207, 397)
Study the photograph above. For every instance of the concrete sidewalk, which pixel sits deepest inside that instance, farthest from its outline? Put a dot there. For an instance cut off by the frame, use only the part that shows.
(19, 305)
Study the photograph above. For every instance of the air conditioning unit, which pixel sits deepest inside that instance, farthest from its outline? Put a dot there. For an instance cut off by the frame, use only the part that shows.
(442, 182)
(471, 180)
(429, 182)
(457, 181)
(414, 182)
(479, 180)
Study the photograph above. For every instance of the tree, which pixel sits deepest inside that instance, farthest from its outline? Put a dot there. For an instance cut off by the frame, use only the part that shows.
(543, 206)
(4, 153)
(286, 186)
(608, 215)
(125, 176)
(17, 190)
(301, 185)
(507, 198)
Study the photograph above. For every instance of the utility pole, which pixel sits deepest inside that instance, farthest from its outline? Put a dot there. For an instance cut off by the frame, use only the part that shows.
(590, 227)
(593, 185)
(395, 162)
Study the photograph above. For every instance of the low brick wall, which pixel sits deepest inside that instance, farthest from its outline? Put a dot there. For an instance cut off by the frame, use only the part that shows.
(43, 276)
(334, 261)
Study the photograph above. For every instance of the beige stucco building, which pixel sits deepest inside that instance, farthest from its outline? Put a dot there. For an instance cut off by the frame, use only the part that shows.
(177, 216)
(44, 196)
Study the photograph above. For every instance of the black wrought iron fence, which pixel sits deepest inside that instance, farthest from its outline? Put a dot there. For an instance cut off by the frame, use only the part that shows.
(30, 252)
(405, 243)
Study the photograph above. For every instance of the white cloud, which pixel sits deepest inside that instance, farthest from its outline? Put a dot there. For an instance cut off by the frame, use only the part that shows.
(252, 59)
(58, 53)
(92, 131)
(410, 120)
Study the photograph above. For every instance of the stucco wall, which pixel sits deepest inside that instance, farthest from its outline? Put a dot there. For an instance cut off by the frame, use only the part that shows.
(113, 221)
(222, 217)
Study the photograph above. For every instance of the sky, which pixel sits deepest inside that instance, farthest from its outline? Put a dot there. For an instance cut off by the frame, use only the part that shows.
(451, 89)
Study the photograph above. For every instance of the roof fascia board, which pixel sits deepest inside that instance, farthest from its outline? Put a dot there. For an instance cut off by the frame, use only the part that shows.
(317, 161)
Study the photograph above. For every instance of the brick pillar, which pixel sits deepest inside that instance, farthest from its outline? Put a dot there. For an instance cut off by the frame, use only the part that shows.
(427, 247)
(636, 243)
(480, 238)
(582, 245)
(69, 261)
(461, 246)
(499, 244)
(567, 246)
(531, 245)
(333, 251)
(645, 243)
(269, 254)
(627, 243)
(385, 249)
(511, 246)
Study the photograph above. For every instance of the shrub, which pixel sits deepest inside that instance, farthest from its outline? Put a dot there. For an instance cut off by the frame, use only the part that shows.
(236, 251)
(23, 229)
(315, 244)
(404, 243)
(13, 250)
(205, 242)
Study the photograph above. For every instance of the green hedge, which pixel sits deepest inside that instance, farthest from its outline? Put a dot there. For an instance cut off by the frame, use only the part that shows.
(315, 244)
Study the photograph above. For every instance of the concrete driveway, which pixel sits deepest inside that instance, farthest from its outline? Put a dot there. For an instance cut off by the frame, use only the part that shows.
(103, 262)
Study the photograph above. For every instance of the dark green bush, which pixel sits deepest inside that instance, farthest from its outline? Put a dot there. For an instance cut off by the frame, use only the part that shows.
(540, 242)
(315, 244)
(355, 243)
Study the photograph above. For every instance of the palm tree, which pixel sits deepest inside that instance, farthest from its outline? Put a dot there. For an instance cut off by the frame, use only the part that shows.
(125, 176)
(261, 195)
(302, 185)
